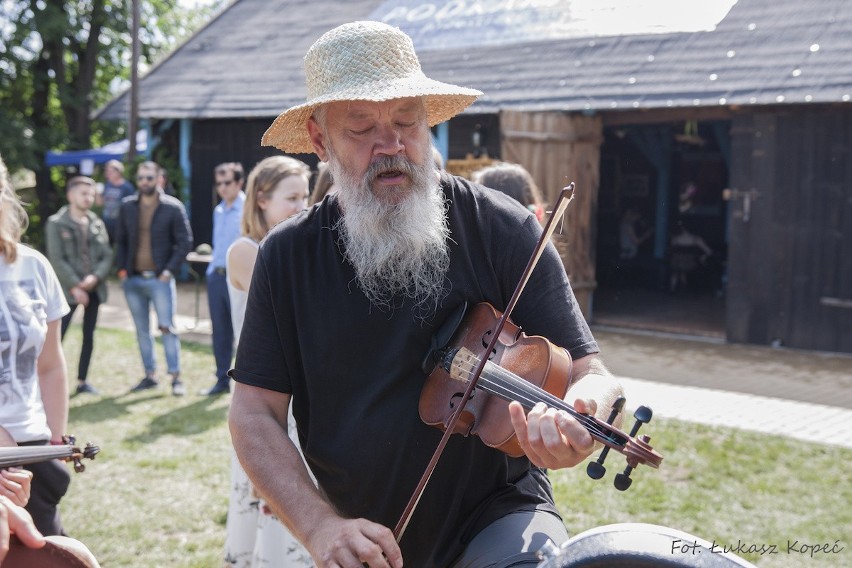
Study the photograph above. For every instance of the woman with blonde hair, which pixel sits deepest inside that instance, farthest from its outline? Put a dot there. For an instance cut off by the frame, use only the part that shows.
(33, 376)
(277, 189)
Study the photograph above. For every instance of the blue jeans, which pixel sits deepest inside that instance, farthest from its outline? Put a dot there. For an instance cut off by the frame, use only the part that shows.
(141, 293)
(220, 316)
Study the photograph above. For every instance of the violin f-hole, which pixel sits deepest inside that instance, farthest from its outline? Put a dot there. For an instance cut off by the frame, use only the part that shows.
(467, 420)
(457, 396)
(486, 341)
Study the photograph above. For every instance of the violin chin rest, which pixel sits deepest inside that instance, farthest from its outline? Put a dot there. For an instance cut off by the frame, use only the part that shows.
(441, 339)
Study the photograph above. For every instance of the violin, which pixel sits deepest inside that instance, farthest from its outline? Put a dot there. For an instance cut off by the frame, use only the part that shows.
(528, 369)
(67, 451)
(450, 364)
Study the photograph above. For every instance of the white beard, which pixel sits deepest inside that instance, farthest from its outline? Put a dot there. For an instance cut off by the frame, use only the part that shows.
(398, 250)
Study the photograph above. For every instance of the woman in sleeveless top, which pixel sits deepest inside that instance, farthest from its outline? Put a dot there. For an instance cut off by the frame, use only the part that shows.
(277, 188)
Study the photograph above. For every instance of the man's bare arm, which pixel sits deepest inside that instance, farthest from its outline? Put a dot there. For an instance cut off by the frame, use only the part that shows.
(258, 422)
(593, 381)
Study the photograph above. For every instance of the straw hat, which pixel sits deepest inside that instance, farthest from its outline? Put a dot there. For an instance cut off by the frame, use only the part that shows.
(368, 61)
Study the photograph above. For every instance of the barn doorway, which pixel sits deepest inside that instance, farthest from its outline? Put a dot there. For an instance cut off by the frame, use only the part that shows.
(662, 227)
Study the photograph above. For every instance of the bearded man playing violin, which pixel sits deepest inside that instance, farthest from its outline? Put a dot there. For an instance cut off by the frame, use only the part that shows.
(344, 302)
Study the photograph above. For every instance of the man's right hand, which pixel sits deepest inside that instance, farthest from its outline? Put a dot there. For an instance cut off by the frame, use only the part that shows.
(354, 543)
(80, 296)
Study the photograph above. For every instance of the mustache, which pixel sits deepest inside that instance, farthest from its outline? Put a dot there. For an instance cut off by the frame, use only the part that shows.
(385, 164)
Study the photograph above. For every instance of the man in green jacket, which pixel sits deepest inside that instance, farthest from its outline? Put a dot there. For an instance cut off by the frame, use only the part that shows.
(78, 248)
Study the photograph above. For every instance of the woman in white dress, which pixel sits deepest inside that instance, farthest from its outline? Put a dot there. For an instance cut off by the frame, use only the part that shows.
(277, 189)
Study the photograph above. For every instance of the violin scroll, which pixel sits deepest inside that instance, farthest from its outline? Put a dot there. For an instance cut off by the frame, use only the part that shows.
(636, 450)
(76, 455)
(88, 452)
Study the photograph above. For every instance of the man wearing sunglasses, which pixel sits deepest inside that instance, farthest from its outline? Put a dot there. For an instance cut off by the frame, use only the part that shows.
(152, 239)
(226, 229)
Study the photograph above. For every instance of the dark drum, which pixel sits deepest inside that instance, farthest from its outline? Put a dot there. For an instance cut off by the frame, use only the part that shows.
(637, 545)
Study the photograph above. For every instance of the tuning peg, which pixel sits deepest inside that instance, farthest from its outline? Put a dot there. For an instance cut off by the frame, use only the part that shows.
(622, 480)
(642, 415)
(617, 407)
(596, 469)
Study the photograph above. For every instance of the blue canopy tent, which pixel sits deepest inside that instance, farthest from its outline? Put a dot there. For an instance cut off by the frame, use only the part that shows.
(112, 151)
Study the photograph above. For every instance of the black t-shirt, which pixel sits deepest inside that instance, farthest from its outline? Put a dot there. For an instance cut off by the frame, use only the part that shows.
(354, 370)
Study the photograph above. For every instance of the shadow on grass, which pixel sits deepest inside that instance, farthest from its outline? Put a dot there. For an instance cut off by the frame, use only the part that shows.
(191, 419)
(107, 407)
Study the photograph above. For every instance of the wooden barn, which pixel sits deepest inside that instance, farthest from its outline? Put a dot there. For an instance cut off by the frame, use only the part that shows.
(731, 118)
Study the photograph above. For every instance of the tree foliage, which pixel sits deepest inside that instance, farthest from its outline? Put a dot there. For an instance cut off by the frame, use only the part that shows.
(62, 59)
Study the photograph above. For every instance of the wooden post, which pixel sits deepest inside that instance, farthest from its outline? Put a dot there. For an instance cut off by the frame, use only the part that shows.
(558, 148)
(133, 118)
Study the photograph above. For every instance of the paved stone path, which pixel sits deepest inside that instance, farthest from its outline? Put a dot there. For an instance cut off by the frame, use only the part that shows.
(801, 420)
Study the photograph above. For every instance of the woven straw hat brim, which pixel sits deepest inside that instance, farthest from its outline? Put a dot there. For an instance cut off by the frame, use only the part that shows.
(443, 101)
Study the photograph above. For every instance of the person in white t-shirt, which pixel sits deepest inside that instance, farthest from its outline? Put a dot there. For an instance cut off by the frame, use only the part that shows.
(33, 375)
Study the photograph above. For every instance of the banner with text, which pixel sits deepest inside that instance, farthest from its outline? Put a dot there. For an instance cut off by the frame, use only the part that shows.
(443, 24)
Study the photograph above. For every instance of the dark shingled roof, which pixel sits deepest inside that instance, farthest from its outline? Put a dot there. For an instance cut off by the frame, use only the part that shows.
(247, 62)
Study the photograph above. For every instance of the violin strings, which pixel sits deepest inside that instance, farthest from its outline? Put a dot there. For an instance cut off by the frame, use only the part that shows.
(515, 388)
(523, 391)
(511, 380)
(505, 384)
(511, 384)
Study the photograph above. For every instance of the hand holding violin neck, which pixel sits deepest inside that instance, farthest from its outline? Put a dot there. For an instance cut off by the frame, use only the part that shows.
(594, 382)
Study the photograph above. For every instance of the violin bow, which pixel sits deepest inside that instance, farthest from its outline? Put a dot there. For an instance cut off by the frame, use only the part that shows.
(566, 195)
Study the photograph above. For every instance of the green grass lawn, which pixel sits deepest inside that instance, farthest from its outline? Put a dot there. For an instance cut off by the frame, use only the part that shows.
(157, 494)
